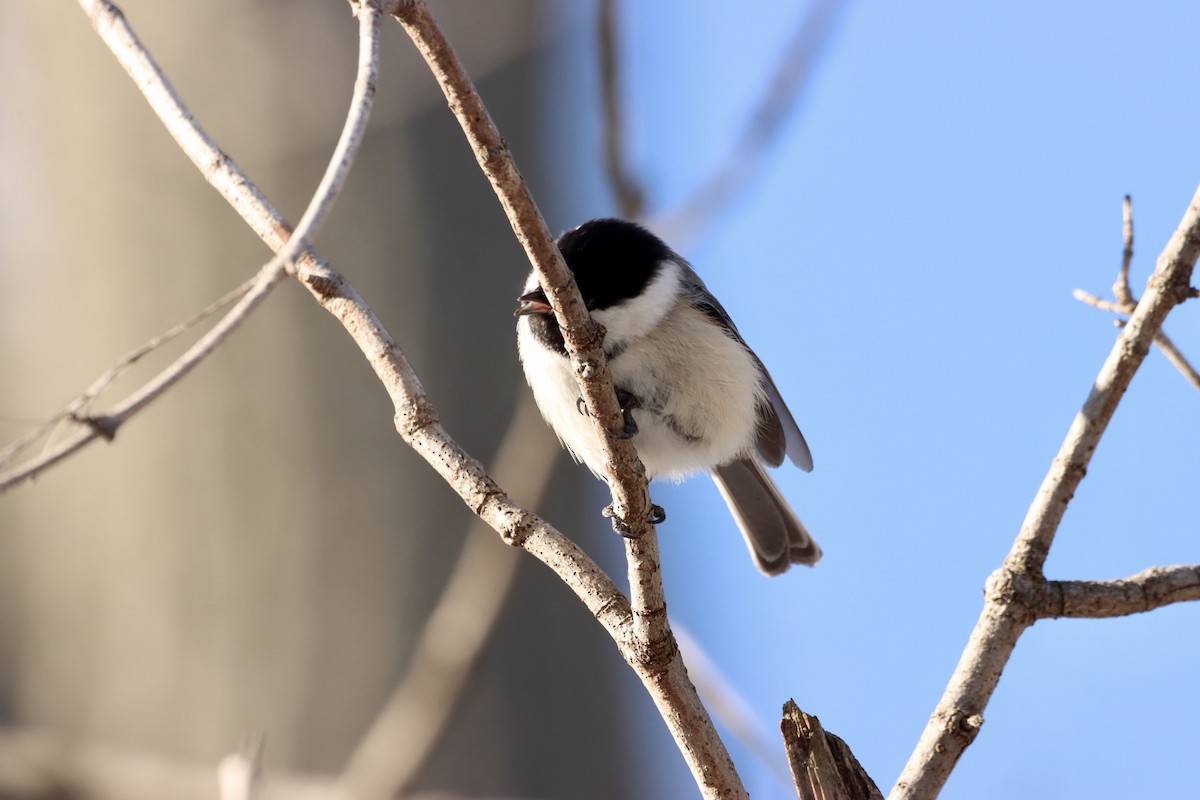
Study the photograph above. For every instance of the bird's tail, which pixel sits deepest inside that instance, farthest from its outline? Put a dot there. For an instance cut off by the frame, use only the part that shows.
(775, 535)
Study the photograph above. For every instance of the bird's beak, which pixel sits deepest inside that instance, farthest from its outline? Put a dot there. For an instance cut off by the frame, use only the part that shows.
(532, 303)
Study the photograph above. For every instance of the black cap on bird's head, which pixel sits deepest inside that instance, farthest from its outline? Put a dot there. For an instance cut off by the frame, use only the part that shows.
(612, 260)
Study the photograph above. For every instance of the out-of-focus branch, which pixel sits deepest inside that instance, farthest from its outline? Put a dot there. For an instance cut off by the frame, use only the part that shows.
(105, 426)
(405, 732)
(110, 23)
(39, 766)
(238, 774)
(729, 707)
(1126, 302)
(749, 151)
(630, 197)
(77, 409)
(959, 715)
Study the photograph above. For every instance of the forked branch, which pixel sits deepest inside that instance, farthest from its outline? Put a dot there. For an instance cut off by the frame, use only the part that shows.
(223, 174)
(1125, 302)
(640, 631)
(1007, 612)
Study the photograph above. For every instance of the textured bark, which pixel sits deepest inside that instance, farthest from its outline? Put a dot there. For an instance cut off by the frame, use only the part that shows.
(1011, 606)
(823, 767)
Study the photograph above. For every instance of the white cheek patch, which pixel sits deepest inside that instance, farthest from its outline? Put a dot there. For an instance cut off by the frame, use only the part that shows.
(632, 319)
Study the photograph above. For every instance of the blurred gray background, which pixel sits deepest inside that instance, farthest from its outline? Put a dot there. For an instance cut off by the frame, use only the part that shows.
(256, 553)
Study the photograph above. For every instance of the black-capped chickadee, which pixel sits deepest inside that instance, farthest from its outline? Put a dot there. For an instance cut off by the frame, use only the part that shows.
(695, 396)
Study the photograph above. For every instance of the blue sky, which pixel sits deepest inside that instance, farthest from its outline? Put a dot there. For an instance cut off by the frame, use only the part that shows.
(904, 267)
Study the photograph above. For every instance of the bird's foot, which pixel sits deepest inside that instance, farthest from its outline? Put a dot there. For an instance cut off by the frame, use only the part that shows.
(628, 402)
(657, 516)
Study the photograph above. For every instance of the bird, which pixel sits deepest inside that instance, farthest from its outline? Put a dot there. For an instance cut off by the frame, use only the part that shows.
(694, 396)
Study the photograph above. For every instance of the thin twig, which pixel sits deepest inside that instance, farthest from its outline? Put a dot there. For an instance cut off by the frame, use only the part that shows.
(748, 153)
(405, 732)
(119, 36)
(78, 406)
(104, 426)
(1121, 289)
(630, 197)
(361, 101)
(1176, 357)
(1126, 302)
(1173, 353)
(957, 719)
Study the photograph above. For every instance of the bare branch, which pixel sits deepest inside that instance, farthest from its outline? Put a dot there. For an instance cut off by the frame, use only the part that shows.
(416, 418)
(416, 421)
(216, 167)
(630, 197)
(77, 408)
(584, 340)
(224, 174)
(1121, 289)
(1167, 287)
(1176, 357)
(105, 426)
(1149, 589)
(823, 767)
(1173, 353)
(748, 153)
(651, 650)
(1126, 302)
(956, 721)
(361, 101)
(1102, 304)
